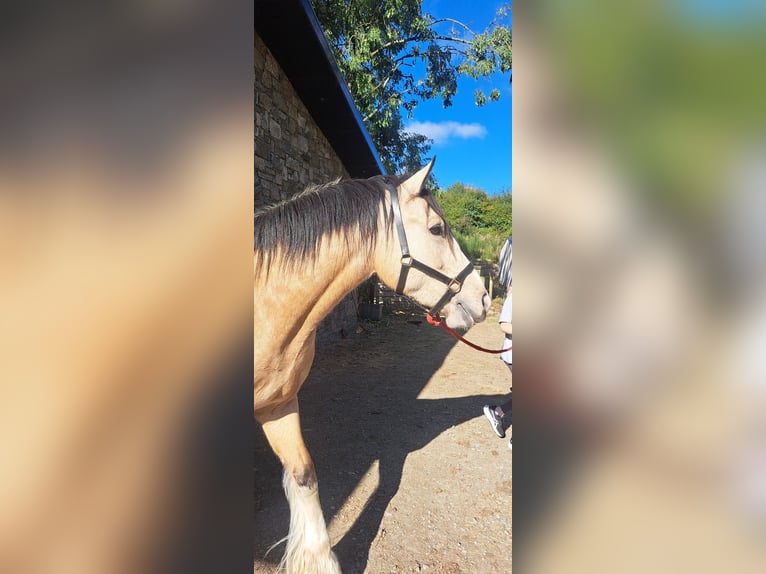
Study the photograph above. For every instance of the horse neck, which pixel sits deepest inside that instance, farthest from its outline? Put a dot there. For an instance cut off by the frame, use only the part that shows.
(312, 293)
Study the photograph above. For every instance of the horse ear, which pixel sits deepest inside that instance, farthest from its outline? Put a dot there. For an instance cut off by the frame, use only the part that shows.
(413, 184)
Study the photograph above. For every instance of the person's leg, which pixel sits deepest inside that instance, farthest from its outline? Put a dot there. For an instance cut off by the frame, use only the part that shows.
(495, 419)
(495, 413)
(507, 406)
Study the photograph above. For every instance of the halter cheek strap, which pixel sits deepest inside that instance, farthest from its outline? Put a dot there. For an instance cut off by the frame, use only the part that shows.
(454, 284)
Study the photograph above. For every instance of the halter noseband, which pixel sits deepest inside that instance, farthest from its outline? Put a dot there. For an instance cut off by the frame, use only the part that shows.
(454, 285)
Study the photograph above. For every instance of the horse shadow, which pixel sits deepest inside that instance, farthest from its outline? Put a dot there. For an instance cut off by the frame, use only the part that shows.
(351, 422)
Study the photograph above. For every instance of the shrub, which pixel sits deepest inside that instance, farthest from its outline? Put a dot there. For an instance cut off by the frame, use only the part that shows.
(479, 223)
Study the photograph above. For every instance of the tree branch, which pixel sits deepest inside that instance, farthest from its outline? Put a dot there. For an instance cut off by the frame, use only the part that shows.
(458, 22)
(402, 41)
(382, 106)
(401, 59)
(382, 85)
(451, 39)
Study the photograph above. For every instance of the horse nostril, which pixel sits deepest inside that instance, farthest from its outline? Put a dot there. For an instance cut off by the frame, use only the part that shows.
(485, 301)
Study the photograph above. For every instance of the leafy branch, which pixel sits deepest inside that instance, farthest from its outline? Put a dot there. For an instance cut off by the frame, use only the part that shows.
(394, 56)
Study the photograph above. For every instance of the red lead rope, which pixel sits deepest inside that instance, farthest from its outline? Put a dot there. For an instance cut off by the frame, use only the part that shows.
(437, 322)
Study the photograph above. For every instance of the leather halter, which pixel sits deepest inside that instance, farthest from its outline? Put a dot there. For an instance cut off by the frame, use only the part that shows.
(454, 284)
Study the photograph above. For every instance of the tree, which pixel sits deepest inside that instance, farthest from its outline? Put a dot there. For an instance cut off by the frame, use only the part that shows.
(393, 56)
(465, 208)
(499, 213)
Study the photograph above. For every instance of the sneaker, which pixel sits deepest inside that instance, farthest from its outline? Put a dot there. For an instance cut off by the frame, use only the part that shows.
(494, 420)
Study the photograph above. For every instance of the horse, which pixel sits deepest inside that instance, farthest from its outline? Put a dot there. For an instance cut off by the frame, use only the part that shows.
(311, 251)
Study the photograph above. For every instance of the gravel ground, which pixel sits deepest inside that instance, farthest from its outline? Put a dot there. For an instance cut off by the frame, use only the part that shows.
(411, 477)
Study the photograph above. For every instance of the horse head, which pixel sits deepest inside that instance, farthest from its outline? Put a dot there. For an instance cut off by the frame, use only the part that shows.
(422, 260)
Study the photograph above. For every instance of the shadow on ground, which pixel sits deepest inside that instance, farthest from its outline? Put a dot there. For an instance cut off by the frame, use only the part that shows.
(360, 404)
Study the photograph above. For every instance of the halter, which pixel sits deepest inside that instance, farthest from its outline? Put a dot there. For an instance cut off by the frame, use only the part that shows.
(454, 285)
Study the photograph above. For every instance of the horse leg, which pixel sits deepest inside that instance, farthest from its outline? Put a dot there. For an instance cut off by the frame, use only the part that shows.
(308, 548)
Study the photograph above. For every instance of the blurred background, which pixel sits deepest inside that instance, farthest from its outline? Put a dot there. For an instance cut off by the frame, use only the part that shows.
(126, 176)
(125, 225)
(639, 180)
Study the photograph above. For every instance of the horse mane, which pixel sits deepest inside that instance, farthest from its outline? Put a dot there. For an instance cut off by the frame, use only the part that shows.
(290, 233)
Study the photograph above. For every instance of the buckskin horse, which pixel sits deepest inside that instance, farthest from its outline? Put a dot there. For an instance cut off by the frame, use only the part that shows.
(310, 251)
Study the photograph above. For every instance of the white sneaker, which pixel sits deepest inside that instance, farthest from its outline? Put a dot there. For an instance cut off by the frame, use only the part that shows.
(494, 420)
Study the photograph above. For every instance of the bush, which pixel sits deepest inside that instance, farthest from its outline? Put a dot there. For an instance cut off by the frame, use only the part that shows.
(479, 223)
(481, 244)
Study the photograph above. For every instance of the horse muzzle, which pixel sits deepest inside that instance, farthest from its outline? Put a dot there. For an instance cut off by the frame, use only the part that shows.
(468, 307)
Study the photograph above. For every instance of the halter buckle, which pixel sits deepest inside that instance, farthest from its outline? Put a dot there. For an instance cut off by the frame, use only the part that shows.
(455, 286)
(407, 260)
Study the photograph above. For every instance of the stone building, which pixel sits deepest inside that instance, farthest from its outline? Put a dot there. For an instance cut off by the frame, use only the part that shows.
(307, 129)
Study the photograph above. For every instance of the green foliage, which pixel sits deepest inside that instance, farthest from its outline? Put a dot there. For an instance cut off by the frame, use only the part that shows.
(393, 56)
(463, 207)
(675, 89)
(479, 223)
(481, 244)
(499, 215)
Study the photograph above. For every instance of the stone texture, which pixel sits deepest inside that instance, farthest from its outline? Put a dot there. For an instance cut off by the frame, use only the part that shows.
(291, 153)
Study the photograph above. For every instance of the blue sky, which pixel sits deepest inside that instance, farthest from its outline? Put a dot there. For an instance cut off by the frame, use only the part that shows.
(472, 144)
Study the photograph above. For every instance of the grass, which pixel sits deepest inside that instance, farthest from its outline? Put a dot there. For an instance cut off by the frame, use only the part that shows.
(481, 244)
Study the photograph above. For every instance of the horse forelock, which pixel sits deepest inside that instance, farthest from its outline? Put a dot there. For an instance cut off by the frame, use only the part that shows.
(288, 235)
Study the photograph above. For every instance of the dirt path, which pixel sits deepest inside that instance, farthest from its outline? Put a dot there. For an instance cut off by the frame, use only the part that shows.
(411, 476)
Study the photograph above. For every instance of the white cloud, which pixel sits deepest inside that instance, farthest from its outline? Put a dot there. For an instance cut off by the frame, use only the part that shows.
(441, 132)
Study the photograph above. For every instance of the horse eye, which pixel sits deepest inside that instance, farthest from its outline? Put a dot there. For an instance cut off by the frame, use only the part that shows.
(436, 230)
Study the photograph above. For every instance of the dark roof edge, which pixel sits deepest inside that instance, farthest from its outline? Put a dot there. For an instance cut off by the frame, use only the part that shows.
(341, 80)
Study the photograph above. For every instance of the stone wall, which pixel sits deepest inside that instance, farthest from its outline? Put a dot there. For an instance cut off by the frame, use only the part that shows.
(292, 153)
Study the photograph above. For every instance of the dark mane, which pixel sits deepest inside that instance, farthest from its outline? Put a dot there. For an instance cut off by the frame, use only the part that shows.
(296, 227)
